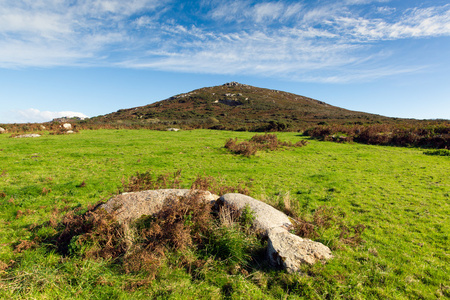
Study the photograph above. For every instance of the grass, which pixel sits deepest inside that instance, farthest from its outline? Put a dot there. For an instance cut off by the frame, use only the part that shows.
(401, 196)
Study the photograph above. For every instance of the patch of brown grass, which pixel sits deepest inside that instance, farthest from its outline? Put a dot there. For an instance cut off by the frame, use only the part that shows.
(147, 181)
(266, 141)
(3, 266)
(21, 213)
(351, 235)
(25, 245)
(180, 225)
(45, 191)
(95, 227)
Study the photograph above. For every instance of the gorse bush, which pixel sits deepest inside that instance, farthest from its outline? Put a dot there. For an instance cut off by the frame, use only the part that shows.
(259, 142)
(433, 136)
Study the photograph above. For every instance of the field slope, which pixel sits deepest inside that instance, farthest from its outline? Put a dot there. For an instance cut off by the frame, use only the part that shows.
(400, 195)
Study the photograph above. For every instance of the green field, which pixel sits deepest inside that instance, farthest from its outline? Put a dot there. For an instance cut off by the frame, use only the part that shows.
(400, 195)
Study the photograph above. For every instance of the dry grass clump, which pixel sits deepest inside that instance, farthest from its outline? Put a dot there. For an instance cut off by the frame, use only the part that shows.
(181, 224)
(244, 148)
(259, 142)
(147, 181)
(94, 234)
(3, 266)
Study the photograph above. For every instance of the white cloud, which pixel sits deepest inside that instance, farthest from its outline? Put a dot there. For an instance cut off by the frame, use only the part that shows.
(386, 9)
(230, 11)
(56, 32)
(267, 11)
(415, 23)
(33, 115)
(270, 38)
(243, 11)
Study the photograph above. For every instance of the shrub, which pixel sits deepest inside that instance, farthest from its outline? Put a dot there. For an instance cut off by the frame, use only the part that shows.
(440, 152)
(403, 134)
(259, 142)
(244, 148)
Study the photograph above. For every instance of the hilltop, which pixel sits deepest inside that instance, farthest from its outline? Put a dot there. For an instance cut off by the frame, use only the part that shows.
(238, 106)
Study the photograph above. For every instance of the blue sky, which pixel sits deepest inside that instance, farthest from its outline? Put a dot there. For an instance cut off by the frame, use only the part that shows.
(92, 57)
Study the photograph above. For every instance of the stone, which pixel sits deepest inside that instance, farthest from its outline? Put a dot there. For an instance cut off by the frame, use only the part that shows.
(43, 127)
(266, 217)
(173, 129)
(69, 131)
(234, 83)
(128, 207)
(2, 130)
(67, 126)
(285, 249)
(290, 251)
(32, 135)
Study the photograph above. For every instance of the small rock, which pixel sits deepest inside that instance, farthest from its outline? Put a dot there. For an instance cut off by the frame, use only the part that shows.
(32, 135)
(290, 251)
(173, 129)
(67, 126)
(69, 131)
(2, 130)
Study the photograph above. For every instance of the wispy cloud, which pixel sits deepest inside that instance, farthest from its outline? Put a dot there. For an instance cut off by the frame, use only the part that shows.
(244, 11)
(414, 23)
(272, 38)
(49, 33)
(33, 115)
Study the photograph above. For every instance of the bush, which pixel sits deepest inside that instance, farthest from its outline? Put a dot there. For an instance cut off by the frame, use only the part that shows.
(440, 152)
(259, 142)
(404, 134)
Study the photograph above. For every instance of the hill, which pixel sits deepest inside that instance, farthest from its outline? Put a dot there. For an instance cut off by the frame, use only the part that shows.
(239, 106)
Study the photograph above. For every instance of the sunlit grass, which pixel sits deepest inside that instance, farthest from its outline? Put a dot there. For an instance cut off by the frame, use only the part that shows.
(401, 195)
